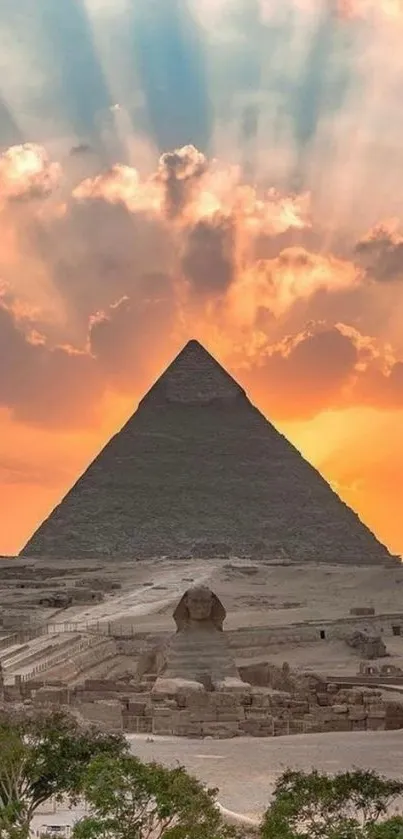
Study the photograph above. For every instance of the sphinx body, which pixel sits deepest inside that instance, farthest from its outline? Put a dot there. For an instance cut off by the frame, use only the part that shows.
(198, 656)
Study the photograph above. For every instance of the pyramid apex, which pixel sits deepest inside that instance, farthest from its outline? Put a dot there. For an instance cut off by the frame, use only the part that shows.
(193, 342)
(194, 377)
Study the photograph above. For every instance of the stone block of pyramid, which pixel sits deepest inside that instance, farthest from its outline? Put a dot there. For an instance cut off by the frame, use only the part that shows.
(198, 471)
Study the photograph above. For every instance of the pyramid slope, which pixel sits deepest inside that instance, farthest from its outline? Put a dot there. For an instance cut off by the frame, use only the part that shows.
(198, 465)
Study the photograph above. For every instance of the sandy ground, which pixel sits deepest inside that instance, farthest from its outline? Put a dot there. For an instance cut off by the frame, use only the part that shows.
(245, 769)
(257, 594)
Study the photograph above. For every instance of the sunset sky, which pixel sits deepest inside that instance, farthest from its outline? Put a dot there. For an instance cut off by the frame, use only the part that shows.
(228, 170)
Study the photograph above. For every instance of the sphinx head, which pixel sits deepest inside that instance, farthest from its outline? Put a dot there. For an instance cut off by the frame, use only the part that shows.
(199, 603)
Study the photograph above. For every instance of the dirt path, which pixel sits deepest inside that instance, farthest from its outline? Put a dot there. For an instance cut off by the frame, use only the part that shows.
(168, 583)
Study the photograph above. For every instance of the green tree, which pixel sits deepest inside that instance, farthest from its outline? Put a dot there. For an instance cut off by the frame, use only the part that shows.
(348, 805)
(130, 799)
(44, 756)
(388, 829)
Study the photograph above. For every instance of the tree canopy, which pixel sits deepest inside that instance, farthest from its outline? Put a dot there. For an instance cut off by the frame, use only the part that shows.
(348, 805)
(44, 756)
(130, 799)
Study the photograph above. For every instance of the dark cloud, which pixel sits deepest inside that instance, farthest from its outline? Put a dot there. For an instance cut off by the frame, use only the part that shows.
(58, 386)
(324, 368)
(42, 385)
(209, 254)
(80, 148)
(97, 252)
(382, 389)
(381, 253)
(180, 170)
(305, 374)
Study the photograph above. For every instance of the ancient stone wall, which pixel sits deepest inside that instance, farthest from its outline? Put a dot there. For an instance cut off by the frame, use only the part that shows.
(256, 642)
(260, 712)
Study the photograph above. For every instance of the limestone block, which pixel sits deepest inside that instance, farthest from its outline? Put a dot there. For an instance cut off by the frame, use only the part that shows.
(137, 709)
(184, 716)
(296, 727)
(220, 730)
(327, 716)
(370, 697)
(172, 687)
(356, 697)
(265, 729)
(222, 699)
(256, 713)
(375, 724)
(229, 715)
(130, 723)
(260, 700)
(107, 712)
(50, 696)
(192, 729)
(144, 725)
(192, 699)
(355, 714)
(299, 707)
(313, 726)
(393, 723)
(162, 713)
(252, 728)
(163, 726)
(255, 674)
(340, 709)
(196, 715)
(281, 727)
(338, 724)
(376, 711)
(280, 699)
(323, 699)
(359, 725)
(341, 697)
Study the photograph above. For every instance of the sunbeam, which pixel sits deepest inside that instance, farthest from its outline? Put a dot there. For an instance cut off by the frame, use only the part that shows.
(222, 169)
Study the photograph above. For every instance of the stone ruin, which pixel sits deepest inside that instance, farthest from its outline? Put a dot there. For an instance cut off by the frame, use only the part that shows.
(368, 646)
(366, 669)
(192, 687)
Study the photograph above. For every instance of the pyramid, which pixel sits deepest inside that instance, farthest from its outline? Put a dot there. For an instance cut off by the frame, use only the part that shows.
(198, 471)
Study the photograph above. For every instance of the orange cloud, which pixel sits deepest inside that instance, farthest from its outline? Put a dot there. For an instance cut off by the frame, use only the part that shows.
(144, 263)
(387, 10)
(140, 264)
(27, 172)
(276, 284)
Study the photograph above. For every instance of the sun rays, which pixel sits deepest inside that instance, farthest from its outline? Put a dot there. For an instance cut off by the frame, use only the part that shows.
(283, 123)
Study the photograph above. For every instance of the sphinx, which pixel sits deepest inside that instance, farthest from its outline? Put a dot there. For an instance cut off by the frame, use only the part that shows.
(198, 655)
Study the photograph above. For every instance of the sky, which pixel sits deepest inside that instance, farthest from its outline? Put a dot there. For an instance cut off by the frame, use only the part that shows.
(226, 170)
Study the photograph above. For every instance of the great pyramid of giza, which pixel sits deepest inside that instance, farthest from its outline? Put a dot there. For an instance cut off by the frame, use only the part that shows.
(198, 471)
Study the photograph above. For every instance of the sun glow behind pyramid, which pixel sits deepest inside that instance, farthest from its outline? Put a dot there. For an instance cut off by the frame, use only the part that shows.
(198, 471)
